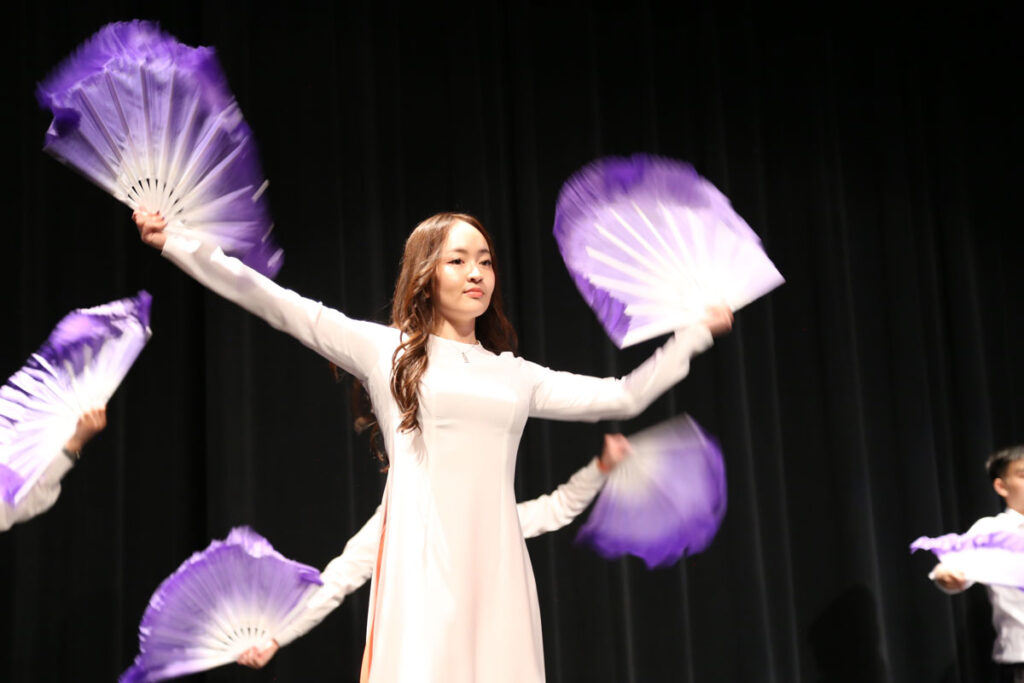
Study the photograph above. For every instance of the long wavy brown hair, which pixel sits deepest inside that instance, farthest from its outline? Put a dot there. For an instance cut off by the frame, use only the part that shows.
(365, 421)
(413, 312)
(363, 418)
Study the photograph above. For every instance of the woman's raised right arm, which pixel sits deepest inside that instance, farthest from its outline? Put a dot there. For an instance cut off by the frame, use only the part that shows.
(353, 345)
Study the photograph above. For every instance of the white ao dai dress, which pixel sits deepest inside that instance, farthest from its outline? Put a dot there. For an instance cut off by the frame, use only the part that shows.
(453, 598)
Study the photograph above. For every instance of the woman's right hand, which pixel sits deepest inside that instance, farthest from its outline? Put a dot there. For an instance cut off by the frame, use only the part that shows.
(257, 657)
(151, 227)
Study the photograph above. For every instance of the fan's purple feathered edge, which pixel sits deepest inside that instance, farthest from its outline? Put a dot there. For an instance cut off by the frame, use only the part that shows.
(82, 329)
(954, 543)
(693, 535)
(133, 41)
(244, 538)
(641, 177)
(142, 42)
(86, 327)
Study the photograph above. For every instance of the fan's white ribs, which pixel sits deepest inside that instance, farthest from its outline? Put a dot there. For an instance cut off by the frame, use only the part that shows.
(198, 596)
(669, 250)
(684, 251)
(660, 309)
(118, 175)
(629, 250)
(623, 287)
(297, 608)
(69, 371)
(114, 187)
(174, 181)
(734, 251)
(54, 423)
(699, 237)
(222, 586)
(147, 131)
(134, 168)
(224, 231)
(259, 193)
(243, 594)
(639, 276)
(205, 599)
(163, 168)
(644, 332)
(261, 605)
(249, 621)
(199, 151)
(638, 237)
(45, 364)
(212, 174)
(208, 210)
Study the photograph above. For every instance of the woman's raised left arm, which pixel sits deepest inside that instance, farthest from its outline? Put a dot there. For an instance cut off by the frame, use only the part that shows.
(566, 396)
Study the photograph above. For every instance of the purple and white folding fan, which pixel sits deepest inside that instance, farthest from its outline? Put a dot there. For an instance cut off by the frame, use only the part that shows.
(651, 244)
(236, 594)
(666, 500)
(78, 368)
(152, 122)
(995, 558)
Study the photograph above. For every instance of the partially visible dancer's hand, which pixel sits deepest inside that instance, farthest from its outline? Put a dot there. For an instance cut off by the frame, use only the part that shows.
(90, 423)
(616, 449)
(151, 227)
(257, 657)
(717, 318)
(950, 579)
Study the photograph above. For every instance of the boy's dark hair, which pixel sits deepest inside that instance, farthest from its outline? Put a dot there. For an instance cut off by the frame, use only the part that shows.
(1000, 460)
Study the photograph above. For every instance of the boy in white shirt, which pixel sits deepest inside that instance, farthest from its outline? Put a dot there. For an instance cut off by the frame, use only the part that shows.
(1006, 468)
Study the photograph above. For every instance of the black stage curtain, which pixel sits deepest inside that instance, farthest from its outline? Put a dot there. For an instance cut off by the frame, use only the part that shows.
(875, 151)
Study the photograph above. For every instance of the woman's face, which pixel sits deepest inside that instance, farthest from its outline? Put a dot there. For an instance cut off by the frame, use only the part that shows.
(464, 279)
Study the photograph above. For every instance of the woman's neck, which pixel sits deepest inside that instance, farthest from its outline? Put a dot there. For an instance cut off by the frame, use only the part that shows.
(460, 332)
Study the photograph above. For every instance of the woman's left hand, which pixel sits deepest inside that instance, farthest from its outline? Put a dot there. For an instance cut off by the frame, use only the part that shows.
(616, 449)
(257, 657)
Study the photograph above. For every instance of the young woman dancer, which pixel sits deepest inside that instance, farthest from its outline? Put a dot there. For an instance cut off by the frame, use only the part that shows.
(453, 596)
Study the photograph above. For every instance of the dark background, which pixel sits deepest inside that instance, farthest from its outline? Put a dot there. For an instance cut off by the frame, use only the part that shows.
(875, 150)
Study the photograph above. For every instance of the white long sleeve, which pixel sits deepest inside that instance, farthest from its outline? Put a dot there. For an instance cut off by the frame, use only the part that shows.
(554, 510)
(40, 497)
(343, 575)
(354, 345)
(566, 396)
